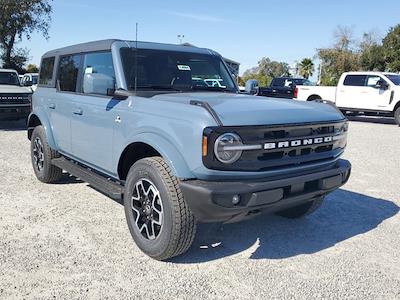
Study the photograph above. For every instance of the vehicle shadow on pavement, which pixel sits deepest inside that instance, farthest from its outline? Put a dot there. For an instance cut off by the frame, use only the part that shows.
(13, 125)
(344, 215)
(368, 119)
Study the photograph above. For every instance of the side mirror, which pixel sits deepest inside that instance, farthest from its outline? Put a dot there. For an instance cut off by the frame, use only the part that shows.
(381, 84)
(28, 83)
(121, 94)
(251, 87)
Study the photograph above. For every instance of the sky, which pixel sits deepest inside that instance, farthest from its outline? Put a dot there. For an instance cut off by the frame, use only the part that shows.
(240, 30)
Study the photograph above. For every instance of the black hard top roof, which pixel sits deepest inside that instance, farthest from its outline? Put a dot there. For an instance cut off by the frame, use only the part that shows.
(104, 45)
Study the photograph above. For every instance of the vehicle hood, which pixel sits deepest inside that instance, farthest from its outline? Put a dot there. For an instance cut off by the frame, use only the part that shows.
(239, 109)
(4, 88)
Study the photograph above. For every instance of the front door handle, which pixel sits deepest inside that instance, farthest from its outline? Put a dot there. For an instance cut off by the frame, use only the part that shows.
(78, 112)
(52, 106)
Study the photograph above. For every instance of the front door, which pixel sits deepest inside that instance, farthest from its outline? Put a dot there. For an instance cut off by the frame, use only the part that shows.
(377, 98)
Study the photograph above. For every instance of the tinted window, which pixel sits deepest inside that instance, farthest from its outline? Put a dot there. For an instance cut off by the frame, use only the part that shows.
(34, 79)
(46, 71)
(9, 78)
(394, 78)
(355, 80)
(173, 70)
(98, 74)
(278, 82)
(68, 72)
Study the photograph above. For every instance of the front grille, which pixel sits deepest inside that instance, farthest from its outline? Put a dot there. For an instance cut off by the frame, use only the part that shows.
(14, 98)
(291, 137)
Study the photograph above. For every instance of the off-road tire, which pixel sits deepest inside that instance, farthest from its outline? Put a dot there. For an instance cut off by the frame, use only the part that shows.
(49, 173)
(179, 224)
(397, 116)
(301, 210)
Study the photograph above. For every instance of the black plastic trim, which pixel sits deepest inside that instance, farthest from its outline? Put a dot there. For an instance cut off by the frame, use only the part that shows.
(207, 107)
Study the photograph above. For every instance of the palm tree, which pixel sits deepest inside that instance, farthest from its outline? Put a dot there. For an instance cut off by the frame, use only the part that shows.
(306, 67)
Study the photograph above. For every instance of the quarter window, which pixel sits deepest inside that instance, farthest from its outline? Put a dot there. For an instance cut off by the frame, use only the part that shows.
(98, 74)
(46, 71)
(355, 80)
(68, 72)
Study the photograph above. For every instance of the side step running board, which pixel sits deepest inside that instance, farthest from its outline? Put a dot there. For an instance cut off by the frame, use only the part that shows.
(112, 189)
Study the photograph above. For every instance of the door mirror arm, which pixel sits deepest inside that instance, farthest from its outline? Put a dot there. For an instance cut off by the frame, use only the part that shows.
(122, 94)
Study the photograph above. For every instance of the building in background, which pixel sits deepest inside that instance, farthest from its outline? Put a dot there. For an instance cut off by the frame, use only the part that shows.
(233, 65)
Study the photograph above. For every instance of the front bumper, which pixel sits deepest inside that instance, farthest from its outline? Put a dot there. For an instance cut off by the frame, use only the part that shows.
(14, 112)
(211, 201)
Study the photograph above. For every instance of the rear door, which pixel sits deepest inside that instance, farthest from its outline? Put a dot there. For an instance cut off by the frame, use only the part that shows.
(94, 113)
(59, 106)
(353, 92)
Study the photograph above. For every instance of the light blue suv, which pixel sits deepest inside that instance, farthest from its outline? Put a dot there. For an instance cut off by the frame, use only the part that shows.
(139, 122)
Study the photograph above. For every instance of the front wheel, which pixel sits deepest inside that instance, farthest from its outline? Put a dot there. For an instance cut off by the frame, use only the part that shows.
(158, 216)
(302, 209)
(397, 116)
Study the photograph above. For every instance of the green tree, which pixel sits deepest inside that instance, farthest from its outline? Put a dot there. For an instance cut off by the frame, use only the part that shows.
(18, 59)
(266, 70)
(306, 68)
(391, 49)
(20, 19)
(32, 69)
(371, 53)
(340, 58)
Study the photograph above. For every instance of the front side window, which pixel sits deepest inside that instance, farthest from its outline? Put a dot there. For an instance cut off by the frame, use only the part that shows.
(372, 80)
(34, 79)
(9, 78)
(46, 71)
(68, 72)
(98, 74)
(172, 70)
(355, 80)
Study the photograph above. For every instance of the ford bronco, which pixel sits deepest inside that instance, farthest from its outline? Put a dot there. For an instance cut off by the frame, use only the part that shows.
(15, 100)
(138, 122)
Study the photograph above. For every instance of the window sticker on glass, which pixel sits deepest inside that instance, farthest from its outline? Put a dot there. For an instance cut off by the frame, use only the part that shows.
(88, 70)
(183, 68)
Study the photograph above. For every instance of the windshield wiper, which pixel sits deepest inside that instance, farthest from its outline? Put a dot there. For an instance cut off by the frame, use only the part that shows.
(157, 87)
(212, 88)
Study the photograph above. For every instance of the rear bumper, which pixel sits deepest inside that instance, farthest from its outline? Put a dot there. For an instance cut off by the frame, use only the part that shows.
(14, 112)
(211, 201)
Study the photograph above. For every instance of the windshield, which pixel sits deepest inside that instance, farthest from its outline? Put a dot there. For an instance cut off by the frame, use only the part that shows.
(394, 78)
(9, 78)
(34, 79)
(177, 71)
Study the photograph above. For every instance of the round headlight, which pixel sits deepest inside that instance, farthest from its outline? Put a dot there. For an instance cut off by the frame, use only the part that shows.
(224, 148)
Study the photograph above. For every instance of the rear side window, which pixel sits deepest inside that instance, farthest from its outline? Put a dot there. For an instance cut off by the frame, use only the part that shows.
(46, 71)
(68, 72)
(98, 74)
(355, 80)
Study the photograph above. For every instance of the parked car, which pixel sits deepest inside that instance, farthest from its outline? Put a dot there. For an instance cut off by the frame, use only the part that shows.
(282, 87)
(30, 80)
(15, 100)
(133, 120)
(372, 93)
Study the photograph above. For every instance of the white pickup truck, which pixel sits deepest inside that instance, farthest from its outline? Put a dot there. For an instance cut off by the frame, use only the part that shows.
(359, 92)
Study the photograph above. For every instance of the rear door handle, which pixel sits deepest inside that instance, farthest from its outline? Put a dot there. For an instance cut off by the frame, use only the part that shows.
(78, 112)
(52, 106)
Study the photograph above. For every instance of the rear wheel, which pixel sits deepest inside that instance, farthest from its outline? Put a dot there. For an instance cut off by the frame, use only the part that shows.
(41, 156)
(397, 116)
(301, 210)
(158, 217)
(314, 97)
